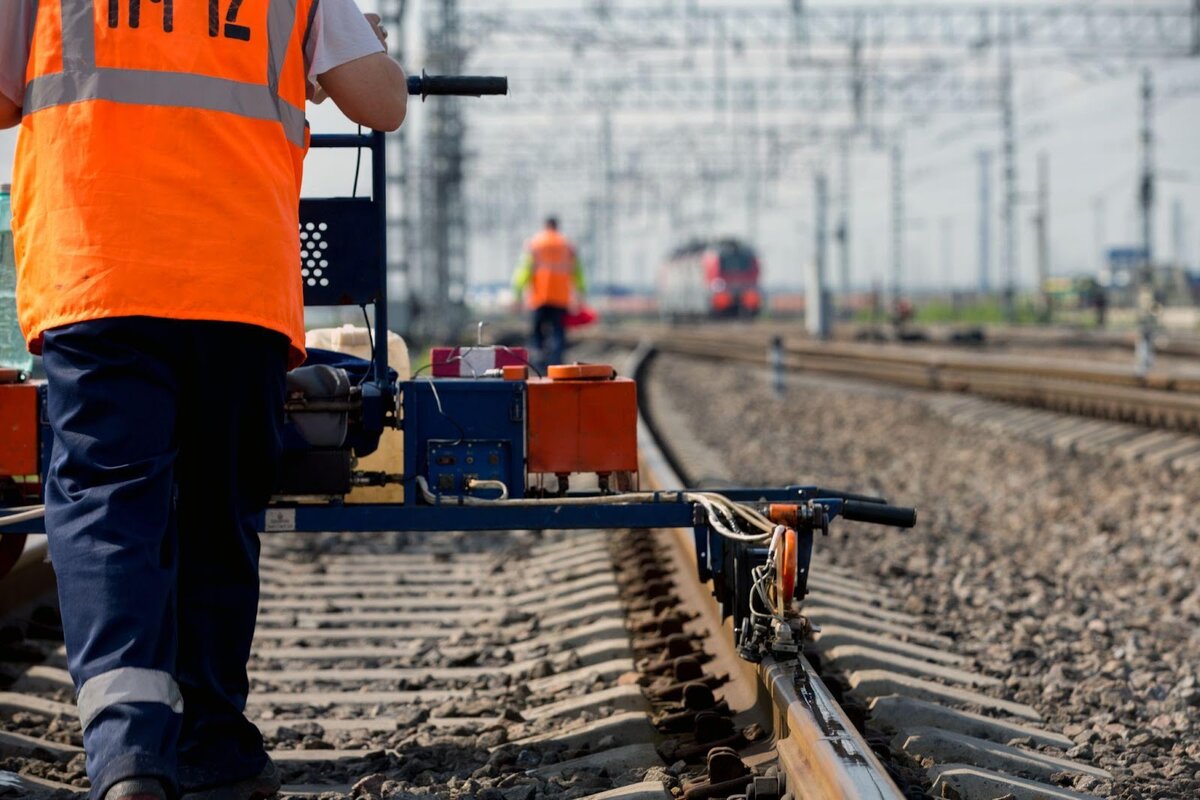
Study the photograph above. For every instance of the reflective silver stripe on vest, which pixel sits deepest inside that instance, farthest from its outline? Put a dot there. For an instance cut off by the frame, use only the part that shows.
(281, 21)
(81, 80)
(79, 35)
(127, 685)
(178, 89)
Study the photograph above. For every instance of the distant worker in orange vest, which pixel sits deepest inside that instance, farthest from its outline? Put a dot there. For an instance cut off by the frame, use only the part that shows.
(156, 193)
(551, 272)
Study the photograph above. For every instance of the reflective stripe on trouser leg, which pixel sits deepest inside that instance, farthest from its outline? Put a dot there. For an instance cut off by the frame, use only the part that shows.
(113, 388)
(127, 685)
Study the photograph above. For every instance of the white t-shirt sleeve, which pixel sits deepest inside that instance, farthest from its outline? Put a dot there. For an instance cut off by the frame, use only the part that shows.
(16, 29)
(338, 35)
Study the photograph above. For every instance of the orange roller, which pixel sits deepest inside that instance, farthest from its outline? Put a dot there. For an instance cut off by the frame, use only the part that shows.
(786, 514)
(785, 567)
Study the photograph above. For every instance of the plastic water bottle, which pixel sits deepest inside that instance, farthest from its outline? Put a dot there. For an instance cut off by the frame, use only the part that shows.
(13, 353)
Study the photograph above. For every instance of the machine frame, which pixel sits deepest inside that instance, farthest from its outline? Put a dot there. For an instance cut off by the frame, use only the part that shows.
(340, 234)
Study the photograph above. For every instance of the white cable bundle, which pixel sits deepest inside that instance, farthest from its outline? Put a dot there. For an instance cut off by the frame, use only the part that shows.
(23, 514)
(720, 509)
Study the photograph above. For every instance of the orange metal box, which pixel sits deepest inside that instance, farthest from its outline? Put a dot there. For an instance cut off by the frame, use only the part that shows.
(18, 429)
(582, 426)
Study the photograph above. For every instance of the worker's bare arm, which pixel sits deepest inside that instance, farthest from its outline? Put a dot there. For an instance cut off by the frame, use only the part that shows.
(372, 91)
(10, 113)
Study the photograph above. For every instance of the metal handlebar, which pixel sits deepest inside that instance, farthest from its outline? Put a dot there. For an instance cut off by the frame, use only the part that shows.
(456, 85)
(879, 514)
(421, 86)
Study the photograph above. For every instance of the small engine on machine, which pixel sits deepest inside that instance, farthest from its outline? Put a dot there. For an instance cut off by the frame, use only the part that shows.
(481, 425)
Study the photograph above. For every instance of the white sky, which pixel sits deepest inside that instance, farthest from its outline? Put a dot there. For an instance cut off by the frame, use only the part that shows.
(1088, 129)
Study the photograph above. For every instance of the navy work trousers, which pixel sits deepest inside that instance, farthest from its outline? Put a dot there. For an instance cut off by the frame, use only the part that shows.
(548, 338)
(166, 447)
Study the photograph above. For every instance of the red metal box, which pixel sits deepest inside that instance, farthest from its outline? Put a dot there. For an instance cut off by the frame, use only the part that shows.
(582, 426)
(472, 362)
(18, 429)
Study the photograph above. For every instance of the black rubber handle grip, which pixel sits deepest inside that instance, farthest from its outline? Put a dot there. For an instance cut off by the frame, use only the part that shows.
(457, 85)
(896, 516)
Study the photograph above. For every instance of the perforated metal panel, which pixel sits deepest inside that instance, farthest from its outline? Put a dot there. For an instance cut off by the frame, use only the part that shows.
(339, 251)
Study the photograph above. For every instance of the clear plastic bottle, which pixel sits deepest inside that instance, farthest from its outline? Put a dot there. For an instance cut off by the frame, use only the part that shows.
(13, 353)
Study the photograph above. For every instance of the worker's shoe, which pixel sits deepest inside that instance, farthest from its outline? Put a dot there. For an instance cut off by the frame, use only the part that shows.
(263, 785)
(136, 789)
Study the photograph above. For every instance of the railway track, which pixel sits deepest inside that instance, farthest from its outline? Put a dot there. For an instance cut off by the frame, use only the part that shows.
(1113, 344)
(1167, 399)
(521, 666)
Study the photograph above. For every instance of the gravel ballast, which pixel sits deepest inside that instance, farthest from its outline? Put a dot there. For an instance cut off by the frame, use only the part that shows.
(1072, 578)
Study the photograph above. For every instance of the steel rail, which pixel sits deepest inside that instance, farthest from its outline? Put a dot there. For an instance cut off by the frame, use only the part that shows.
(1160, 399)
(819, 749)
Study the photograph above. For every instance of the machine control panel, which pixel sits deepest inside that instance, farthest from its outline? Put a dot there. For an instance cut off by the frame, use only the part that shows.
(454, 464)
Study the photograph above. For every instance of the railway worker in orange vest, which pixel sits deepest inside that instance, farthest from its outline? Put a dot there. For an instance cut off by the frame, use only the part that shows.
(155, 197)
(551, 272)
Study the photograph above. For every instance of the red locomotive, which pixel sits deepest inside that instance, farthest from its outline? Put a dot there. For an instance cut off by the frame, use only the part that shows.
(710, 279)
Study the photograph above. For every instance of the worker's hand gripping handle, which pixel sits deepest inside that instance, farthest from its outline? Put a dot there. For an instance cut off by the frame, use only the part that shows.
(460, 85)
(879, 514)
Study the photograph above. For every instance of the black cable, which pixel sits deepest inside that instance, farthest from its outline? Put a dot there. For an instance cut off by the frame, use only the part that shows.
(357, 165)
(523, 360)
(370, 340)
(462, 433)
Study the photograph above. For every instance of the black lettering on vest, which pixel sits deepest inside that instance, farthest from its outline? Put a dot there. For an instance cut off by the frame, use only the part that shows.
(135, 14)
(168, 14)
(232, 30)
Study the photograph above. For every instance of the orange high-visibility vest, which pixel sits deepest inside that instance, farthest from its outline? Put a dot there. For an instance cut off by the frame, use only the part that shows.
(159, 162)
(553, 270)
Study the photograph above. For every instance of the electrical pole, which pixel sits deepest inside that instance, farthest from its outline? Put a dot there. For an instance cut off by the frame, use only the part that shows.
(1041, 223)
(752, 170)
(985, 222)
(1196, 27)
(898, 221)
(443, 208)
(1008, 120)
(1146, 312)
(608, 230)
(843, 229)
(399, 201)
(1099, 224)
(947, 233)
(1178, 233)
(816, 304)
